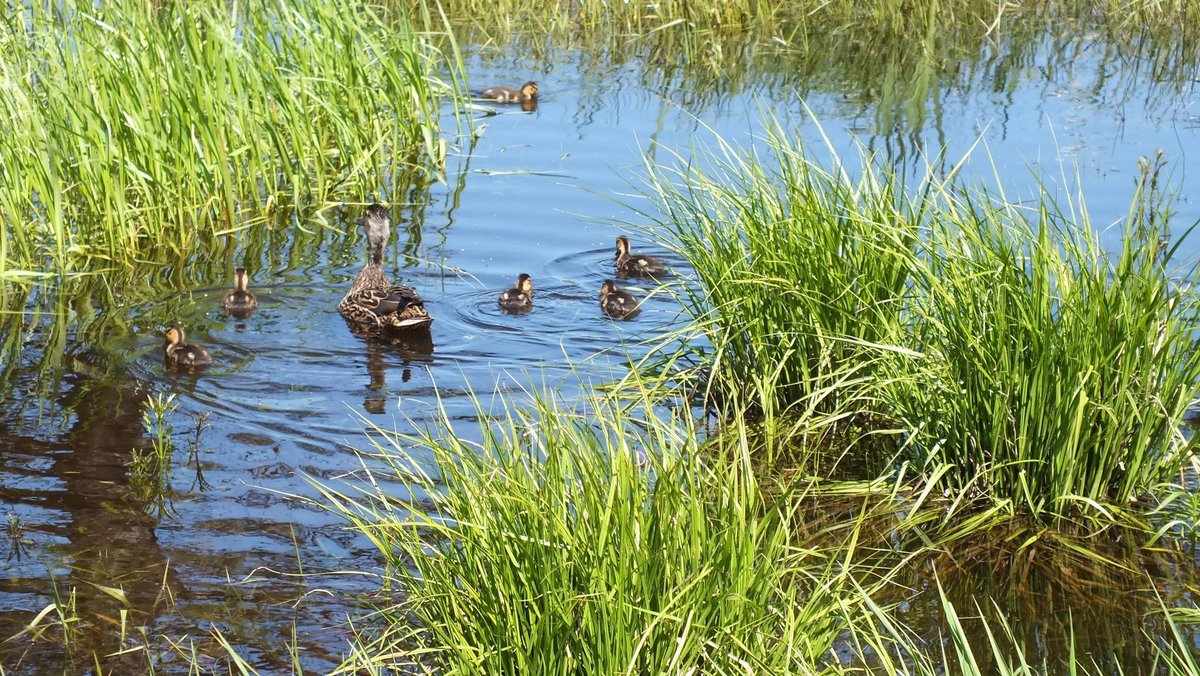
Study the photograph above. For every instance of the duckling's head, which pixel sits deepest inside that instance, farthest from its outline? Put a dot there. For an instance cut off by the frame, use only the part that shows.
(378, 228)
(529, 89)
(622, 246)
(609, 286)
(174, 335)
(525, 283)
(240, 278)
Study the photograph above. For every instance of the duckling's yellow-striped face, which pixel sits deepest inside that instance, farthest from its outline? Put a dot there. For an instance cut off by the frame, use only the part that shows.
(622, 246)
(529, 89)
(240, 278)
(525, 283)
(174, 335)
(609, 286)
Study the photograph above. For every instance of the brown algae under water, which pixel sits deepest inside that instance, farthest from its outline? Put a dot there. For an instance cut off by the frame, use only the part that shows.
(212, 539)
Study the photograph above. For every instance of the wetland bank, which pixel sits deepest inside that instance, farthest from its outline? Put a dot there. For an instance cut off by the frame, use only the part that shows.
(913, 399)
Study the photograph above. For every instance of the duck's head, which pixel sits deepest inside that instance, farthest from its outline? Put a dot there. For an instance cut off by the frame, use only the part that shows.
(622, 246)
(240, 278)
(174, 336)
(524, 283)
(609, 286)
(529, 89)
(378, 228)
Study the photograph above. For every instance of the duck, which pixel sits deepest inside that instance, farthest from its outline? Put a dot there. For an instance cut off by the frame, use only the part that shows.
(177, 352)
(631, 265)
(373, 302)
(524, 93)
(520, 297)
(239, 302)
(616, 303)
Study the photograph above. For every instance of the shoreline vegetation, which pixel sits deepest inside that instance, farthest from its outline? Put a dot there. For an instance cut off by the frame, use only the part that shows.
(141, 132)
(877, 375)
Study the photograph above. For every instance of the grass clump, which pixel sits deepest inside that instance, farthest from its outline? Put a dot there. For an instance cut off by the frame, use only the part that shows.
(801, 274)
(142, 130)
(1058, 371)
(589, 541)
(1023, 359)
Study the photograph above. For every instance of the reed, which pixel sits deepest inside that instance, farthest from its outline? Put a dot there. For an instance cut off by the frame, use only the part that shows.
(801, 274)
(588, 539)
(142, 131)
(1058, 372)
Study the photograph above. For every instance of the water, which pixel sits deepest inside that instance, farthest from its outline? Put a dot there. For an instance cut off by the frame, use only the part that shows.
(543, 192)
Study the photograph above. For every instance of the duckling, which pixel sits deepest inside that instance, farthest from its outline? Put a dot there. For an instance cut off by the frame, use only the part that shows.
(616, 303)
(527, 92)
(176, 352)
(518, 299)
(630, 265)
(239, 302)
(373, 302)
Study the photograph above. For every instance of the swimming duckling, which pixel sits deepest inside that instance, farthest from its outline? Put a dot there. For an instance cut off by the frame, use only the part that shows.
(630, 265)
(616, 303)
(527, 92)
(178, 353)
(518, 299)
(239, 302)
(372, 301)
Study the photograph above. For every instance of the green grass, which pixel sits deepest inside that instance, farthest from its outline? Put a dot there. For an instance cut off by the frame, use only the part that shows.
(801, 274)
(1058, 373)
(589, 539)
(140, 131)
(1017, 355)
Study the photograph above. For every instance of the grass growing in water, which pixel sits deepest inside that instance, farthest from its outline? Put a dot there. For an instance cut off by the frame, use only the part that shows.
(590, 541)
(141, 130)
(801, 273)
(1020, 357)
(1058, 372)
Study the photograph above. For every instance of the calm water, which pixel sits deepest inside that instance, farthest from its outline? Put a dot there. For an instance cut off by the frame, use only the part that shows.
(540, 192)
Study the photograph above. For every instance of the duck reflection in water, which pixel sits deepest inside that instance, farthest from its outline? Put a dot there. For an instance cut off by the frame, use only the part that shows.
(412, 346)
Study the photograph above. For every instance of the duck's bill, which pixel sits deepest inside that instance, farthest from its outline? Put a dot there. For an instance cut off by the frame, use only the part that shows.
(413, 323)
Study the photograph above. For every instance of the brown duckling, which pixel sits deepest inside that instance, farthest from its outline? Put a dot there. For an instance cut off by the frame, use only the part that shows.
(630, 265)
(518, 299)
(373, 301)
(616, 303)
(526, 92)
(176, 352)
(239, 302)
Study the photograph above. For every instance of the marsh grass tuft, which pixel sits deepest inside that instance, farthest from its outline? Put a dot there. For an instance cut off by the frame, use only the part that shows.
(1058, 373)
(802, 275)
(138, 130)
(589, 539)
(1022, 359)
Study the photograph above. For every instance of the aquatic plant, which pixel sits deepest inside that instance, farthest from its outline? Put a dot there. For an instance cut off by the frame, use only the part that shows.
(587, 539)
(802, 274)
(138, 130)
(150, 470)
(1057, 373)
(1040, 368)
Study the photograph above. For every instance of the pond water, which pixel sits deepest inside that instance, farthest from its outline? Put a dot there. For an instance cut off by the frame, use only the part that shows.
(542, 192)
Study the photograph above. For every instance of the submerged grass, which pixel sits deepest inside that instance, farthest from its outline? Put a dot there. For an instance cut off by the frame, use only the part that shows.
(589, 540)
(138, 130)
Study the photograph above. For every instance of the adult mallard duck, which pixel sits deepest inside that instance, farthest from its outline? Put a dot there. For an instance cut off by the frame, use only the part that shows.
(630, 265)
(616, 303)
(176, 352)
(372, 301)
(522, 94)
(239, 302)
(519, 298)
